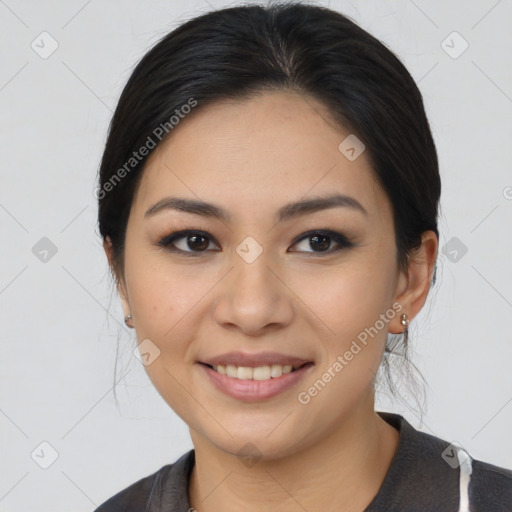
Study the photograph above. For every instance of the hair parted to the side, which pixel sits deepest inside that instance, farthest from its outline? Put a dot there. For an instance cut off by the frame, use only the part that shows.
(237, 52)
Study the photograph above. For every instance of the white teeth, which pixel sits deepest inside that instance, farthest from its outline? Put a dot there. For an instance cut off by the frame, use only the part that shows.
(244, 373)
(261, 373)
(230, 371)
(250, 373)
(276, 370)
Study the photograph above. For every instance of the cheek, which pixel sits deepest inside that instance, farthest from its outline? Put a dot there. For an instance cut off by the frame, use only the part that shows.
(163, 303)
(160, 295)
(352, 352)
(355, 305)
(354, 299)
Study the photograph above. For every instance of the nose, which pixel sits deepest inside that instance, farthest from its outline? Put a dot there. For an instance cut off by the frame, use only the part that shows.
(254, 298)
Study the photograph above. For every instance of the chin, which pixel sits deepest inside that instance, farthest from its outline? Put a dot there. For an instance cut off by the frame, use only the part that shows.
(256, 444)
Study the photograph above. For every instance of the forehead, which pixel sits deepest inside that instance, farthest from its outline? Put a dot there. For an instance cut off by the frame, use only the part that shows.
(258, 153)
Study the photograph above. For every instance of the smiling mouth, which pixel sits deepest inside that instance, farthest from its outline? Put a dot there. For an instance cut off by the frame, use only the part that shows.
(265, 372)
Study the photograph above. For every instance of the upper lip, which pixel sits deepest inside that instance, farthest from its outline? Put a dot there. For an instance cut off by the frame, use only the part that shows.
(254, 360)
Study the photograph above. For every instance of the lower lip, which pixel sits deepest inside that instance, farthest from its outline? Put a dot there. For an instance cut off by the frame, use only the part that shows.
(255, 390)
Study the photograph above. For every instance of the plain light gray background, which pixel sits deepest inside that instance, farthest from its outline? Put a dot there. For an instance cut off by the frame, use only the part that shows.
(60, 321)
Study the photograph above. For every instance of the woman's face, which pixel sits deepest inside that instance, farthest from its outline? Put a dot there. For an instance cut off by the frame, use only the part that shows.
(266, 285)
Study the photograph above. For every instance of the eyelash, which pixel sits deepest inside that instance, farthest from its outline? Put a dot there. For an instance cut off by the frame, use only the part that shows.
(167, 241)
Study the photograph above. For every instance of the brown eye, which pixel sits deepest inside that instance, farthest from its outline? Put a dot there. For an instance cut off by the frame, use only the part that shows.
(186, 242)
(320, 241)
(197, 242)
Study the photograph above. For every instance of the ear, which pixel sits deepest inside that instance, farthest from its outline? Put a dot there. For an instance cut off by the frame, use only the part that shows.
(120, 284)
(414, 284)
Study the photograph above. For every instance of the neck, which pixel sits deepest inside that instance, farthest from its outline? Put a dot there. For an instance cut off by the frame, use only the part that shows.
(343, 472)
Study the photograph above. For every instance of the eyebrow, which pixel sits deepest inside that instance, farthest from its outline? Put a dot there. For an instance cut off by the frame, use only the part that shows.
(287, 212)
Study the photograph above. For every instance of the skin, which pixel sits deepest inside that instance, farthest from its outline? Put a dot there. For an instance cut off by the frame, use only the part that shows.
(251, 157)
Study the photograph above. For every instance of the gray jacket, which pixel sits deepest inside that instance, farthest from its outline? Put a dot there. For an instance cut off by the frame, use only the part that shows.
(427, 474)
